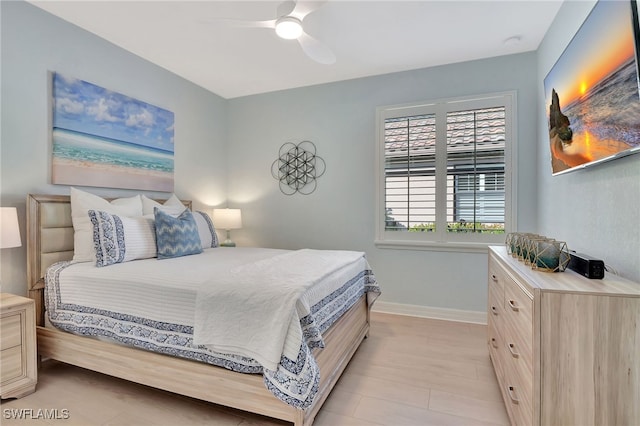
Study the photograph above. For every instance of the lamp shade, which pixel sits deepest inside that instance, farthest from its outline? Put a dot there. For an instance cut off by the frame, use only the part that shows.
(227, 218)
(9, 229)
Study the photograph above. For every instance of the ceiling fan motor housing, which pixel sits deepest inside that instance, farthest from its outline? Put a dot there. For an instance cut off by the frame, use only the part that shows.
(288, 27)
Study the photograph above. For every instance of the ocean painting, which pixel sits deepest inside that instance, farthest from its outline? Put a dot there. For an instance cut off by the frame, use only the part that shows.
(592, 92)
(105, 139)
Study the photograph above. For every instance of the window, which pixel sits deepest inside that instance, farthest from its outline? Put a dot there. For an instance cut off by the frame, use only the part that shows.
(445, 172)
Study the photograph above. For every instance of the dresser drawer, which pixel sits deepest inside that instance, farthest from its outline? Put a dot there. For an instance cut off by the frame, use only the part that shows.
(496, 350)
(495, 298)
(495, 273)
(519, 391)
(518, 302)
(11, 331)
(518, 307)
(18, 369)
(518, 346)
(11, 365)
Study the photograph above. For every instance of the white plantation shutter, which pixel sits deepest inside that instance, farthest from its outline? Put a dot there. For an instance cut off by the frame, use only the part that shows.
(475, 170)
(444, 171)
(410, 147)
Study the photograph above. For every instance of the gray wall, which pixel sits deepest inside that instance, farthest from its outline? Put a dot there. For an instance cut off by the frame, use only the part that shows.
(34, 43)
(340, 119)
(595, 210)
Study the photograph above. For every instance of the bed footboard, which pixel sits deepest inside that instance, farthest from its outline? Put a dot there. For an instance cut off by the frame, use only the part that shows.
(206, 382)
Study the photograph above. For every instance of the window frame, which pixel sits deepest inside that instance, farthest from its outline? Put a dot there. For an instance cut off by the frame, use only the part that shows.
(441, 240)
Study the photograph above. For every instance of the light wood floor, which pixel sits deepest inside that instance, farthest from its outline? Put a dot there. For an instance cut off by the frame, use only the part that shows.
(409, 371)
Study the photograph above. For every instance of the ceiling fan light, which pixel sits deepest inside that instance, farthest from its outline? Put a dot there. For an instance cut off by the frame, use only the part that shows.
(288, 27)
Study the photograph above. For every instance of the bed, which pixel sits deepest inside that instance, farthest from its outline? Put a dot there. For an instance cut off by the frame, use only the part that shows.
(50, 236)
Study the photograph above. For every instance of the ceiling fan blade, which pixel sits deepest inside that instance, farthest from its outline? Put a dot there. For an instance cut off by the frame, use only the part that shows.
(316, 50)
(239, 23)
(303, 8)
(285, 8)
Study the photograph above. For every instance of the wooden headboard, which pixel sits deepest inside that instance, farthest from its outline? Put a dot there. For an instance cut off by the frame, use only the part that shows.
(49, 240)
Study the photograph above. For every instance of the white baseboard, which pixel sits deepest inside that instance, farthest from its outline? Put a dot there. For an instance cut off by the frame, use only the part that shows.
(430, 312)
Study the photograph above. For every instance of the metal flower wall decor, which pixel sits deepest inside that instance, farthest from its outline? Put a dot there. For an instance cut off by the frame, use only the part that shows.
(297, 168)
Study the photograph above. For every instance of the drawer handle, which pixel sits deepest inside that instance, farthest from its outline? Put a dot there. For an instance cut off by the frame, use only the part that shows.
(494, 342)
(494, 310)
(513, 305)
(494, 278)
(512, 394)
(512, 349)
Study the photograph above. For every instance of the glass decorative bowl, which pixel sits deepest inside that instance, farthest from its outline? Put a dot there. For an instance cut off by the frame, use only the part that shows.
(551, 256)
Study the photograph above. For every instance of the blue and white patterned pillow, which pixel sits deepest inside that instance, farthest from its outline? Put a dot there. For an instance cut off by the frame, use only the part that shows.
(81, 203)
(119, 239)
(176, 236)
(206, 230)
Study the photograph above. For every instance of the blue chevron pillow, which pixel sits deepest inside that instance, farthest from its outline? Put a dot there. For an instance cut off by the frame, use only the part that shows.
(176, 236)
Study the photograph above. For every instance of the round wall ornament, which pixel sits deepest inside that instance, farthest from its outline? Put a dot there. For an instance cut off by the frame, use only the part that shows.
(297, 168)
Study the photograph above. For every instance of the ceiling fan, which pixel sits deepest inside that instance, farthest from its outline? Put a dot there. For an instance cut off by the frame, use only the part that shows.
(289, 25)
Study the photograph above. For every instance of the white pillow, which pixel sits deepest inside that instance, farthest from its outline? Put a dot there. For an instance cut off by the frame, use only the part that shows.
(172, 206)
(81, 203)
(206, 230)
(121, 239)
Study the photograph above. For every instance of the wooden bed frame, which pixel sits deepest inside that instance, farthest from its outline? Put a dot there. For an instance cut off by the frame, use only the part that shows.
(50, 239)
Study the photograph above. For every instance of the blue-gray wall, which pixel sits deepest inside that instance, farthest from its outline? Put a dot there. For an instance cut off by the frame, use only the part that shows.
(340, 119)
(34, 43)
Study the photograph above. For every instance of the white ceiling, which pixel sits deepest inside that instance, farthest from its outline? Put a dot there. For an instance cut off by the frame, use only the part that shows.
(375, 37)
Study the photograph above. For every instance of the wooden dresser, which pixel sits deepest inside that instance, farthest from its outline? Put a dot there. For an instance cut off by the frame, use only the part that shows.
(565, 349)
(18, 367)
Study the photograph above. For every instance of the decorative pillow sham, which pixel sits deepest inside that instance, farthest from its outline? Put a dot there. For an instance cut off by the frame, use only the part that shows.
(173, 205)
(121, 239)
(206, 230)
(81, 203)
(176, 236)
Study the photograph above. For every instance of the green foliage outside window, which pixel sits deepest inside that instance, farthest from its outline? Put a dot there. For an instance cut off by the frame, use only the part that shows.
(484, 228)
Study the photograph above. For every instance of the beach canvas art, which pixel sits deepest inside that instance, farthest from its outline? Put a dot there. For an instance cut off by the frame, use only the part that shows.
(105, 139)
(592, 92)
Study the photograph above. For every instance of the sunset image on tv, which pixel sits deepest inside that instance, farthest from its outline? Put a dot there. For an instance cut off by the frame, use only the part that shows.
(592, 91)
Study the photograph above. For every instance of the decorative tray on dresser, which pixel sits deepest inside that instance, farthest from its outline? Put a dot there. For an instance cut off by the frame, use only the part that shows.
(18, 367)
(565, 348)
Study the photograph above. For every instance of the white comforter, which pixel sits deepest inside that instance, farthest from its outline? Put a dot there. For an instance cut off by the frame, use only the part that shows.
(229, 318)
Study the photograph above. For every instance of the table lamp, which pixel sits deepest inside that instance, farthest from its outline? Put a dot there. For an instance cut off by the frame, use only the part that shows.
(227, 219)
(9, 229)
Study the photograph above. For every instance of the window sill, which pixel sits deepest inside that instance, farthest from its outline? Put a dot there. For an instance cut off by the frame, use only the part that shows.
(460, 247)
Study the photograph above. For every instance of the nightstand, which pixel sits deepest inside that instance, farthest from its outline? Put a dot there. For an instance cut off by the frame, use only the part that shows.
(18, 356)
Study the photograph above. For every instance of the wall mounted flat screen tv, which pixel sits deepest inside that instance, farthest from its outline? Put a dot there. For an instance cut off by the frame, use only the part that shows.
(593, 91)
